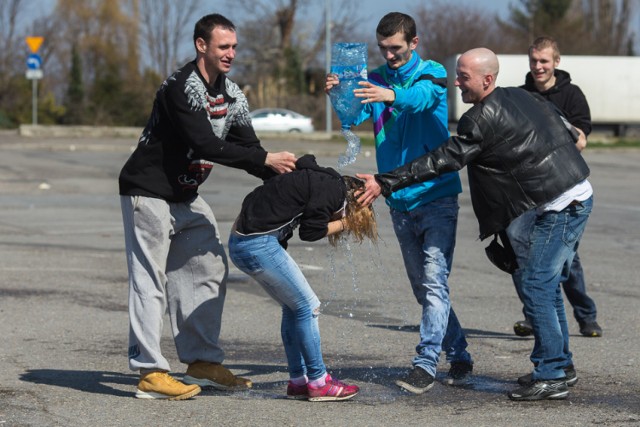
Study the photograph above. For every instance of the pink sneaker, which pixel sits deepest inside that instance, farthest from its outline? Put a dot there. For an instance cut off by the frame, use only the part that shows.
(332, 390)
(298, 392)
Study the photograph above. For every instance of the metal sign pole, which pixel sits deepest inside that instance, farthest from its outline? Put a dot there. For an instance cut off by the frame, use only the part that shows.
(34, 72)
(34, 101)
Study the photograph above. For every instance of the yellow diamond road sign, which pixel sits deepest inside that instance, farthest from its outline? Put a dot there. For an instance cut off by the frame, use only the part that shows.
(34, 43)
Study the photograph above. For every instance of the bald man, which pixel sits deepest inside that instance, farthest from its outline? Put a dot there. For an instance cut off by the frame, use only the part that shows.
(555, 86)
(521, 155)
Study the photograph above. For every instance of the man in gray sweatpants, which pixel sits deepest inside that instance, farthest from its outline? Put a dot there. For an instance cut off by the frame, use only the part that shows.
(175, 258)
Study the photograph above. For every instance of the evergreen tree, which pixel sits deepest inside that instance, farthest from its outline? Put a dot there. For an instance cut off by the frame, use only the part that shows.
(74, 100)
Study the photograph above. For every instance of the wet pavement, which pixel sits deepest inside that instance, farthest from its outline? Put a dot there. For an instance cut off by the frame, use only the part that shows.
(63, 301)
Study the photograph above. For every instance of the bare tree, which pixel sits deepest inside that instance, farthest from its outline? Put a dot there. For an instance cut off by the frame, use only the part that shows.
(445, 29)
(106, 36)
(279, 60)
(165, 25)
(607, 24)
(581, 27)
(10, 11)
(9, 14)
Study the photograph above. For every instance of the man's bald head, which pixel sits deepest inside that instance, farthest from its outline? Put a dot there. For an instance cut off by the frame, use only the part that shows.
(476, 74)
(484, 60)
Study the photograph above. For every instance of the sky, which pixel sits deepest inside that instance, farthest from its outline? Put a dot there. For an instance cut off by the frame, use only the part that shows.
(372, 11)
(375, 9)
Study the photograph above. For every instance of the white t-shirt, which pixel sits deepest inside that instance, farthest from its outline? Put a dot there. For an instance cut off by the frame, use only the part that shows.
(580, 192)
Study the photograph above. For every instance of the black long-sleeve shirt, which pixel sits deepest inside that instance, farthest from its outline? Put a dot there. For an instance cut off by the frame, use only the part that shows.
(193, 125)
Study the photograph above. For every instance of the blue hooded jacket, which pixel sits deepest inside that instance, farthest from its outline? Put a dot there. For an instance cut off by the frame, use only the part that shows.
(413, 125)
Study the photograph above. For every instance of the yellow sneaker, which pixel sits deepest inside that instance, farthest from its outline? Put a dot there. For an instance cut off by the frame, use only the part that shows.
(208, 374)
(161, 385)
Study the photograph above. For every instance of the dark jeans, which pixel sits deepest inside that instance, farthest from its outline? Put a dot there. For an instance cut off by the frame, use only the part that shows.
(584, 308)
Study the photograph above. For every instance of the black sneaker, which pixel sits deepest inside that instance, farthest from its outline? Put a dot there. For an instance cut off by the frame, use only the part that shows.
(417, 381)
(570, 372)
(541, 390)
(459, 373)
(590, 329)
(522, 328)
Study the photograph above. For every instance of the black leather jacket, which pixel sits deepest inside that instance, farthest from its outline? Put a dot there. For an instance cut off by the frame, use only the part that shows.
(519, 152)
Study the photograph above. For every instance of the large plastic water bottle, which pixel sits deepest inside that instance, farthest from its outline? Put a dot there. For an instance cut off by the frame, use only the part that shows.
(349, 63)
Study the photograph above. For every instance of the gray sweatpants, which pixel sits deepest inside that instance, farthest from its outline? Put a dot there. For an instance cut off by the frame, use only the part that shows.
(176, 261)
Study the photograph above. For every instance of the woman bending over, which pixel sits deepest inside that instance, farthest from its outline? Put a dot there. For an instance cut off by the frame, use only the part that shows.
(321, 202)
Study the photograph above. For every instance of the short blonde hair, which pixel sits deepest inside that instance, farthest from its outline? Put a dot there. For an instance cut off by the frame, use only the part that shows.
(545, 42)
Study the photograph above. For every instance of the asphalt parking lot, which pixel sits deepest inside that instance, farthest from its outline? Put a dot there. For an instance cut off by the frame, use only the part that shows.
(63, 302)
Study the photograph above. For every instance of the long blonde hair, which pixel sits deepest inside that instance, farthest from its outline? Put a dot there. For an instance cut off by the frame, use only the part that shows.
(360, 220)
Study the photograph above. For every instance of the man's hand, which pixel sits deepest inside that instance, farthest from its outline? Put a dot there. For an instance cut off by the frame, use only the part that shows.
(373, 93)
(281, 162)
(331, 81)
(371, 191)
(581, 143)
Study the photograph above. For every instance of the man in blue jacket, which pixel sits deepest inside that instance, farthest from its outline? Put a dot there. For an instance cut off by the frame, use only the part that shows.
(406, 99)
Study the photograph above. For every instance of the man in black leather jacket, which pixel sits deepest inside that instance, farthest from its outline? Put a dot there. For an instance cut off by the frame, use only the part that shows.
(555, 86)
(520, 155)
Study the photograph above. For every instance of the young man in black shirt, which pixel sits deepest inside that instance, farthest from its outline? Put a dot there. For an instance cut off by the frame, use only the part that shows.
(174, 254)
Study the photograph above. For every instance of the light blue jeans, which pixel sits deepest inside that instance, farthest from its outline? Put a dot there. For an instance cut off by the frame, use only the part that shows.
(584, 308)
(262, 258)
(553, 242)
(427, 237)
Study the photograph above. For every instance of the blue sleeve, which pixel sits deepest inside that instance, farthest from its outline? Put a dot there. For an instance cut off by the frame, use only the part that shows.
(424, 95)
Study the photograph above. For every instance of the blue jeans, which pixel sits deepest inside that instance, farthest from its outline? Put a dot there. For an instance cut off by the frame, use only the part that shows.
(584, 308)
(262, 258)
(553, 241)
(427, 237)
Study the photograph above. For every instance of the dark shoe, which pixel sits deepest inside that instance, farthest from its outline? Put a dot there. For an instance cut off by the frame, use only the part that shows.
(459, 373)
(570, 372)
(541, 390)
(522, 328)
(590, 329)
(417, 381)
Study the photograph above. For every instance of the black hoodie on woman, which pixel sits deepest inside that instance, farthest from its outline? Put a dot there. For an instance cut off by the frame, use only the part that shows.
(309, 196)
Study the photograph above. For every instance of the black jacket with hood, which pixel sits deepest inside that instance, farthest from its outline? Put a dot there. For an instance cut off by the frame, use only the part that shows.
(309, 196)
(519, 153)
(567, 97)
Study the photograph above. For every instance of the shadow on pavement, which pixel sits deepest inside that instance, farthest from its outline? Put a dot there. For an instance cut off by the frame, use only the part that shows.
(87, 381)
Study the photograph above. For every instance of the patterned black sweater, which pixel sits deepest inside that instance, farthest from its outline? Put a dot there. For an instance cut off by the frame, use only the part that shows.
(192, 125)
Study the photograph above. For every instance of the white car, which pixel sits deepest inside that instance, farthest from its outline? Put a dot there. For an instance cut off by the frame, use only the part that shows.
(280, 120)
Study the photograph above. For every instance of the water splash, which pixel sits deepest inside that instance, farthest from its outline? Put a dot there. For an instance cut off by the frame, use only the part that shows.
(353, 148)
